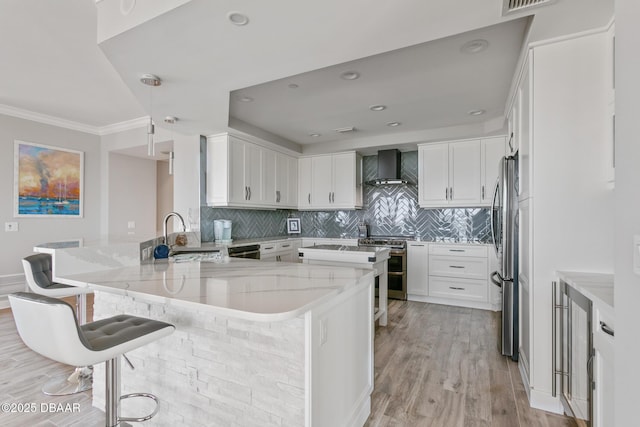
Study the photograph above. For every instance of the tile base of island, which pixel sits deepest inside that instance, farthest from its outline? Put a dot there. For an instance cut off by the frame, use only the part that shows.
(311, 366)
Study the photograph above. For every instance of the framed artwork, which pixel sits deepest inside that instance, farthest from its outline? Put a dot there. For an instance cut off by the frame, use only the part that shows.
(293, 225)
(48, 181)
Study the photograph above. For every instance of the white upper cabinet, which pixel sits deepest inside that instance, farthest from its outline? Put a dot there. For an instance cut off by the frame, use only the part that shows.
(330, 181)
(433, 175)
(243, 174)
(449, 174)
(304, 183)
(493, 149)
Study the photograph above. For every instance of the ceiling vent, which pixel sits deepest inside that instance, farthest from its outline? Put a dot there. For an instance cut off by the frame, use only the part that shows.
(345, 129)
(514, 6)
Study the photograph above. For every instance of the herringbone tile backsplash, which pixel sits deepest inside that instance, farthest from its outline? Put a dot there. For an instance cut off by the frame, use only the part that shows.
(390, 210)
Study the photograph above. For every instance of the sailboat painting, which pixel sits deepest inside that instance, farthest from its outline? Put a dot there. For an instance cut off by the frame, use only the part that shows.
(48, 181)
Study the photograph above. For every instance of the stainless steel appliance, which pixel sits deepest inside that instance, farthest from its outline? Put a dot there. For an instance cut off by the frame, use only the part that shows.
(504, 232)
(248, 251)
(397, 264)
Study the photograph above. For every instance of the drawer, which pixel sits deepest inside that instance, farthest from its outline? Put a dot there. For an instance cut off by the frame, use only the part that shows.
(284, 246)
(465, 289)
(267, 248)
(463, 267)
(459, 250)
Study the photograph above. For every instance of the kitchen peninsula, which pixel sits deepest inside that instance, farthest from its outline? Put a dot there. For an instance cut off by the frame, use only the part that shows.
(256, 343)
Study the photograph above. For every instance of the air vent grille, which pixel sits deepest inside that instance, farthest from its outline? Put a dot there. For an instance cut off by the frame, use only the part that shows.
(513, 6)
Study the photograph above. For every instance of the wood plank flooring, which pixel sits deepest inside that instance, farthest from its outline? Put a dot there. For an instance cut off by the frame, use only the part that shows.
(439, 366)
(435, 366)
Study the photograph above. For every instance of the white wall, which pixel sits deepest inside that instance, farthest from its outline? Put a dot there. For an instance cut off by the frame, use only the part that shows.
(627, 204)
(132, 196)
(32, 231)
(571, 201)
(164, 192)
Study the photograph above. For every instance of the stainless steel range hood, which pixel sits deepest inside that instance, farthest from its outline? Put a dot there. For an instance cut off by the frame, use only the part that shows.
(388, 168)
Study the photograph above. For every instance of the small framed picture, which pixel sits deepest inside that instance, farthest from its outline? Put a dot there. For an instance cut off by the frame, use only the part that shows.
(293, 225)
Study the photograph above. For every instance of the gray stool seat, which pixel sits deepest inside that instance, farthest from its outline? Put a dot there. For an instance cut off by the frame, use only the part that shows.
(48, 326)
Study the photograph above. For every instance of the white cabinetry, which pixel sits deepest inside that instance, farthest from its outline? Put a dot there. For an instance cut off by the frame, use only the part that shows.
(332, 181)
(280, 251)
(243, 174)
(492, 150)
(417, 269)
(459, 272)
(460, 173)
(603, 369)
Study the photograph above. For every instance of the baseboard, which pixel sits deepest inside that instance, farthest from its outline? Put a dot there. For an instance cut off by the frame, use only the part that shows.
(524, 375)
(545, 401)
(9, 284)
(363, 410)
(453, 302)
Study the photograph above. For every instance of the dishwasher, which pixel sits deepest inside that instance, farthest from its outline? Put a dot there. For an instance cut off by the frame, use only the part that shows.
(248, 251)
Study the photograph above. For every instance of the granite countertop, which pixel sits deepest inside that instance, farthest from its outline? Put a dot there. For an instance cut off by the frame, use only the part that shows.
(598, 287)
(248, 289)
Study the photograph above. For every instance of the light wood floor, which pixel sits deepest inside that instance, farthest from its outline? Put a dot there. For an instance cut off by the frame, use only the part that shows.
(434, 366)
(439, 366)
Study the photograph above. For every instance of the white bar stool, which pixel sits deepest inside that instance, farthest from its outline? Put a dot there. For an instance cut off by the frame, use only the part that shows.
(38, 273)
(57, 335)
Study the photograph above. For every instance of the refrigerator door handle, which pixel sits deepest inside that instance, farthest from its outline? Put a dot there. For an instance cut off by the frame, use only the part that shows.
(498, 282)
(492, 217)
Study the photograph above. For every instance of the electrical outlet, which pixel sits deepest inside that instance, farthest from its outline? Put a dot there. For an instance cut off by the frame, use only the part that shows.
(131, 225)
(10, 226)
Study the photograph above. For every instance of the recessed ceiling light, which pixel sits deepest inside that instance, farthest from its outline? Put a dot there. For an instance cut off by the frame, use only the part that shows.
(293, 86)
(245, 99)
(349, 75)
(150, 80)
(170, 119)
(476, 112)
(378, 107)
(315, 135)
(394, 124)
(475, 46)
(238, 18)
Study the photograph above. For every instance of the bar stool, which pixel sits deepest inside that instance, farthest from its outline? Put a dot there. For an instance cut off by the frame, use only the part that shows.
(48, 326)
(38, 273)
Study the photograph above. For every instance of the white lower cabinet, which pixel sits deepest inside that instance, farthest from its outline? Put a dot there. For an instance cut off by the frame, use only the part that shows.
(417, 269)
(603, 369)
(280, 251)
(452, 274)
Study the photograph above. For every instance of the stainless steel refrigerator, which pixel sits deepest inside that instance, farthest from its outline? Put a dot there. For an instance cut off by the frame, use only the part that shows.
(504, 232)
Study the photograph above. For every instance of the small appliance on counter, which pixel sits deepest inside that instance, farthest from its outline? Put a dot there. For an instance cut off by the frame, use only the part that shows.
(222, 230)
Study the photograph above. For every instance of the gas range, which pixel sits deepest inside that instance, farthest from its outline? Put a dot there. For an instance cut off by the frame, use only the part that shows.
(385, 241)
(397, 264)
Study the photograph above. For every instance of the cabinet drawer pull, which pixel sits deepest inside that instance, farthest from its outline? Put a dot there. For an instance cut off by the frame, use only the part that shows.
(285, 246)
(421, 246)
(456, 266)
(457, 250)
(268, 247)
(606, 329)
(456, 288)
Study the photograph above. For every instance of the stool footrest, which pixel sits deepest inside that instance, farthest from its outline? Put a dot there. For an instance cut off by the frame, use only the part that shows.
(147, 417)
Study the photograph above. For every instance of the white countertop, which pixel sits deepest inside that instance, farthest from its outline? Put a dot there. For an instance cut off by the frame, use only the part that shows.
(248, 289)
(598, 287)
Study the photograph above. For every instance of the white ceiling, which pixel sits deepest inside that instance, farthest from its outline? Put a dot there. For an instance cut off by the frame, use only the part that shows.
(57, 69)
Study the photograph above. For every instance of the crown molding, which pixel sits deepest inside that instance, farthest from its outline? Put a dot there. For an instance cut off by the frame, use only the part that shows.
(70, 124)
(123, 126)
(48, 120)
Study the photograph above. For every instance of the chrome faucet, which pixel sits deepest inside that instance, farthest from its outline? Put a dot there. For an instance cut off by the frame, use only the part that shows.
(166, 219)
